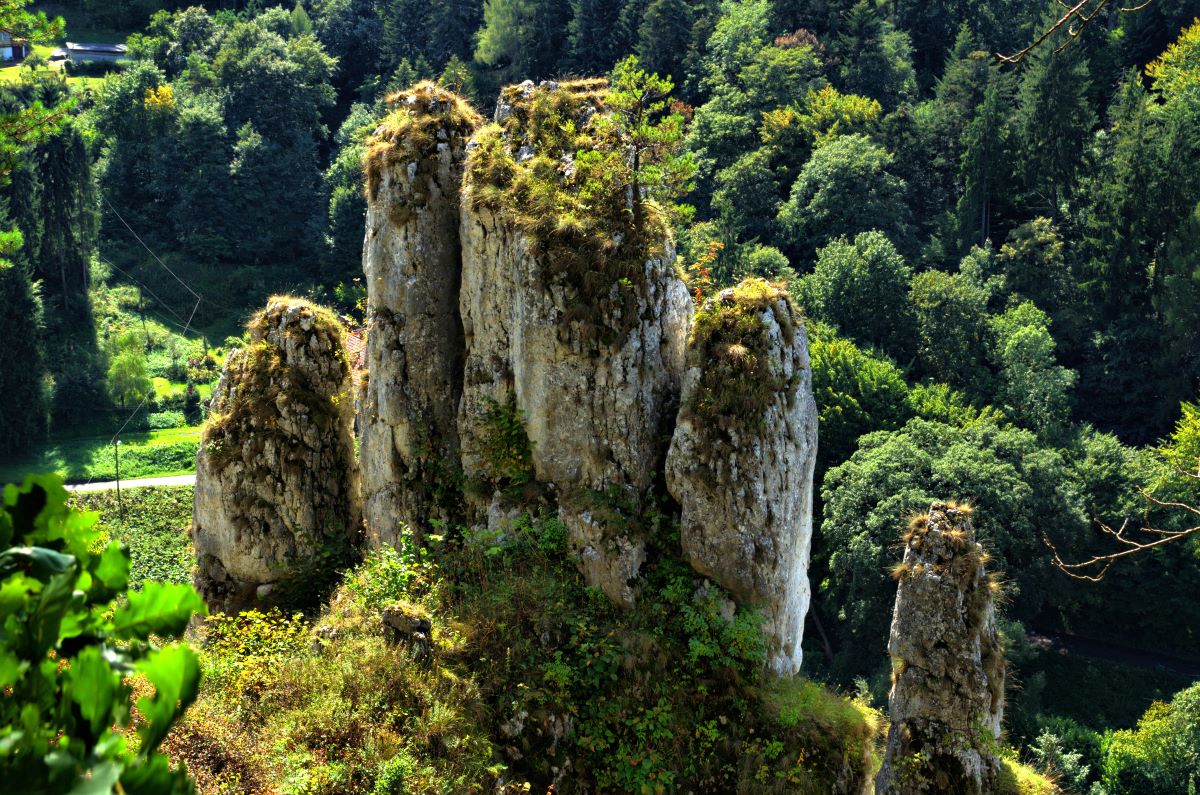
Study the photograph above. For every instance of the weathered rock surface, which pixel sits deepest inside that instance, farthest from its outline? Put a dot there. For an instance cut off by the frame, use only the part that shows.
(947, 696)
(411, 259)
(742, 457)
(275, 476)
(595, 405)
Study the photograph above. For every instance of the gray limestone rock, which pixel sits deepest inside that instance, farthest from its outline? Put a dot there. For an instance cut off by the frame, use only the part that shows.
(742, 457)
(589, 364)
(276, 481)
(411, 259)
(948, 667)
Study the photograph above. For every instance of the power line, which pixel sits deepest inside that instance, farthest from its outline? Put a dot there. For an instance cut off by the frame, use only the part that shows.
(133, 279)
(186, 326)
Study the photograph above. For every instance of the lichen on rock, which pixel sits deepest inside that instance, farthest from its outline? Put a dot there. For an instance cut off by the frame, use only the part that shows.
(947, 698)
(742, 458)
(276, 483)
(572, 314)
(412, 263)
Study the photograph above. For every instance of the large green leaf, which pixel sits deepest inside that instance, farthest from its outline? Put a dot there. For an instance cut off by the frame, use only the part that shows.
(94, 687)
(157, 609)
(101, 781)
(46, 617)
(37, 562)
(175, 673)
(111, 573)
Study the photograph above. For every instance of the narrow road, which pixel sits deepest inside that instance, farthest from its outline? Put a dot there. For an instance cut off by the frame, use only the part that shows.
(1111, 652)
(178, 480)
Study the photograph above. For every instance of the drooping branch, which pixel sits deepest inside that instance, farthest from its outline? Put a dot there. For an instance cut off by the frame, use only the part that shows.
(1075, 20)
(1094, 568)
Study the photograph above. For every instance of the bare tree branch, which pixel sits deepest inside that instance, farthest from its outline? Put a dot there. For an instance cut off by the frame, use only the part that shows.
(1075, 20)
(1094, 568)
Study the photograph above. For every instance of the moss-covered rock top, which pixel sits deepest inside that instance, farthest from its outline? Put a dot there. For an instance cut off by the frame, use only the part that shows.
(296, 357)
(730, 344)
(423, 116)
(554, 166)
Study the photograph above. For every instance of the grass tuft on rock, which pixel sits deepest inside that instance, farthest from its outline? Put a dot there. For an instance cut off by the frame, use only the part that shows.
(423, 116)
(729, 343)
(554, 169)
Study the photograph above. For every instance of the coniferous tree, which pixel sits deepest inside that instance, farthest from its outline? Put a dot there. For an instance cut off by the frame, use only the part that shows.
(452, 24)
(22, 372)
(664, 36)
(68, 218)
(596, 35)
(984, 167)
(1053, 119)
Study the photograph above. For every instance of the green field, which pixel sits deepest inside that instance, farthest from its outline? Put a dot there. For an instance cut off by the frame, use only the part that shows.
(154, 454)
(155, 529)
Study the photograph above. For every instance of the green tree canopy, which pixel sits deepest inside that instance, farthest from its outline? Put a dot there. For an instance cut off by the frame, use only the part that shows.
(844, 189)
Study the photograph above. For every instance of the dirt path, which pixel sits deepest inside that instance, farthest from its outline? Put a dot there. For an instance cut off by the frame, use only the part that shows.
(179, 480)
(1111, 652)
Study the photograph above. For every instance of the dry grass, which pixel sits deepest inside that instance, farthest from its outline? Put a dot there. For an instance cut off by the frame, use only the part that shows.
(424, 115)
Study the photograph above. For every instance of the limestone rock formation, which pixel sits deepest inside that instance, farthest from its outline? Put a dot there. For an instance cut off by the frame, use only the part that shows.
(574, 321)
(742, 457)
(947, 696)
(411, 258)
(276, 483)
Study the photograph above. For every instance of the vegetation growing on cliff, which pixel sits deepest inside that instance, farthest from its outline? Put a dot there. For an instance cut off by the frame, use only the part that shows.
(260, 382)
(424, 116)
(589, 171)
(523, 657)
(728, 343)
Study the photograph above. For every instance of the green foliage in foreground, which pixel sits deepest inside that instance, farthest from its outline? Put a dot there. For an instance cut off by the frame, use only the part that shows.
(155, 530)
(68, 645)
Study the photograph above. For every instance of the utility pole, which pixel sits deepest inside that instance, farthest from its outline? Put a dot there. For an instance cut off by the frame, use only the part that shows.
(120, 506)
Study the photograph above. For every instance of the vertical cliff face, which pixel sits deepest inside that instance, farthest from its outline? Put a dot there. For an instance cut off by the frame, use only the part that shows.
(573, 318)
(411, 259)
(947, 696)
(276, 482)
(742, 457)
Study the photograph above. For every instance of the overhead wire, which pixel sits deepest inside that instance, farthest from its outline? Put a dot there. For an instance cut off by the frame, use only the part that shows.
(187, 325)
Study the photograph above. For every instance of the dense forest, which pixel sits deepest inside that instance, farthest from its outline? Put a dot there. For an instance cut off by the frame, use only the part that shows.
(997, 251)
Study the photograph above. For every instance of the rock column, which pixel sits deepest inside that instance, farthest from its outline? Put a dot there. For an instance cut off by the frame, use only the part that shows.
(578, 343)
(276, 484)
(412, 262)
(947, 696)
(742, 457)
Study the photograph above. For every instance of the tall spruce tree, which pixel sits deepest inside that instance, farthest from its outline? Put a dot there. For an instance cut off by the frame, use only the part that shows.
(984, 168)
(1053, 119)
(22, 373)
(664, 35)
(69, 216)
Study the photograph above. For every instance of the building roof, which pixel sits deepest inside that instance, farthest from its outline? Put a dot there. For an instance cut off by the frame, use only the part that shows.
(109, 49)
(356, 345)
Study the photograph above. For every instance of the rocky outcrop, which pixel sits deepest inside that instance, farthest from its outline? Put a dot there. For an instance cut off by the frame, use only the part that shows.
(411, 259)
(276, 485)
(742, 457)
(947, 696)
(574, 331)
